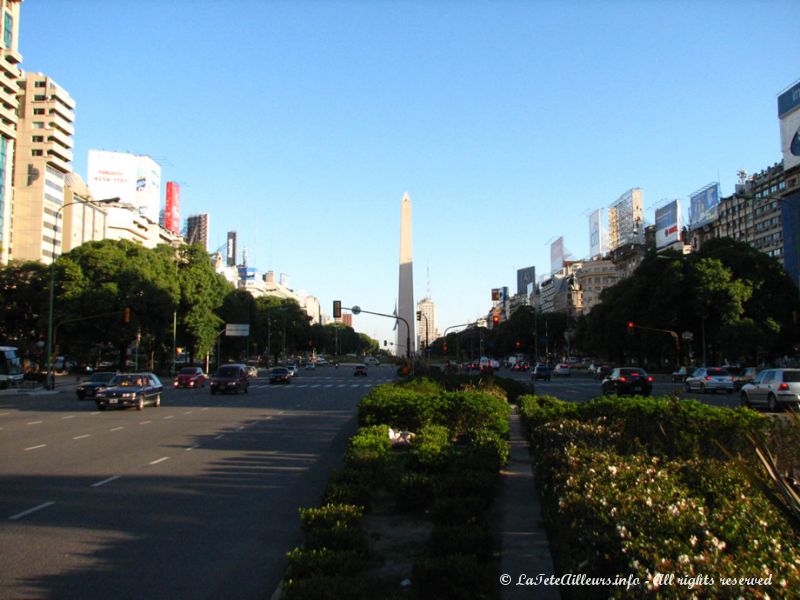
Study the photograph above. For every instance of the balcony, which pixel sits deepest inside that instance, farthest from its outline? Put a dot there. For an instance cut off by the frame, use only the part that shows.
(61, 123)
(58, 107)
(59, 137)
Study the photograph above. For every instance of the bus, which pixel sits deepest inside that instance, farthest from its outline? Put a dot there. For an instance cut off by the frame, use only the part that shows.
(10, 367)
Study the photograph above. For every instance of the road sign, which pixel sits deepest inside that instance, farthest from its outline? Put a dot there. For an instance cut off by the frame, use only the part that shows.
(237, 330)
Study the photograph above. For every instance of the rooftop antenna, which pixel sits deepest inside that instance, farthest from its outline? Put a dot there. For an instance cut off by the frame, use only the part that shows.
(428, 288)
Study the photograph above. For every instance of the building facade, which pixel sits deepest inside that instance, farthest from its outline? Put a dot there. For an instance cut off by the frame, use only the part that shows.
(197, 230)
(592, 277)
(42, 162)
(427, 332)
(81, 222)
(10, 73)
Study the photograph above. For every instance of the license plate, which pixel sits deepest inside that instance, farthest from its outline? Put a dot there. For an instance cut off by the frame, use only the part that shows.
(112, 401)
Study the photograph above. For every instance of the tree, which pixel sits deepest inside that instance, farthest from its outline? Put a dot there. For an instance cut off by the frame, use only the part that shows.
(23, 295)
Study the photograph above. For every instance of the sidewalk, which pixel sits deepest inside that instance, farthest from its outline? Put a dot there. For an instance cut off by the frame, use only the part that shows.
(525, 548)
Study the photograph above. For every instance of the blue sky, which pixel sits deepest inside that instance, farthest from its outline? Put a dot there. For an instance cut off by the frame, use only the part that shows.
(300, 125)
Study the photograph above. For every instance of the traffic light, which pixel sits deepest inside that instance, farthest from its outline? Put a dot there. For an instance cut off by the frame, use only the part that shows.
(631, 326)
(337, 309)
(517, 344)
(419, 315)
(126, 315)
(495, 319)
(445, 347)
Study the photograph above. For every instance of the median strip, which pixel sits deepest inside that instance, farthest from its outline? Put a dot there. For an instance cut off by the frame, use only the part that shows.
(25, 513)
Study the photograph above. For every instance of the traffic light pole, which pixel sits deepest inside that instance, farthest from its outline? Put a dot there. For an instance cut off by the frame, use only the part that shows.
(631, 326)
(357, 310)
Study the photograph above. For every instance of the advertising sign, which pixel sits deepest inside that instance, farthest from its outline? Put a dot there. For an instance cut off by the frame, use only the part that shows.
(703, 205)
(230, 254)
(495, 294)
(668, 224)
(172, 220)
(557, 255)
(598, 238)
(525, 278)
(789, 114)
(134, 179)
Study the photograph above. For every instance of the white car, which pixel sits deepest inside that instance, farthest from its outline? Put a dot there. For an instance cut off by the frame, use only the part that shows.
(709, 379)
(774, 388)
(562, 370)
(371, 361)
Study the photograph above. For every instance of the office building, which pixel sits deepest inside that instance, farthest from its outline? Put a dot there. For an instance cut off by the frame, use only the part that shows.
(197, 230)
(427, 323)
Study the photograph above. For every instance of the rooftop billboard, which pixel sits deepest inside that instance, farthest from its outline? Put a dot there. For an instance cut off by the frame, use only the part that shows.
(525, 278)
(703, 206)
(557, 255)
(134, 179)
(789, 115)
(668, 224)
(598, 236)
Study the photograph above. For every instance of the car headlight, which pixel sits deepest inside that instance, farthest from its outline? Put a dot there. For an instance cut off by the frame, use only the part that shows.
(129, 395)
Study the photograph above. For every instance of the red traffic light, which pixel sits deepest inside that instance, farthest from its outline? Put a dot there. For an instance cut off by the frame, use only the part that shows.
(631, 324)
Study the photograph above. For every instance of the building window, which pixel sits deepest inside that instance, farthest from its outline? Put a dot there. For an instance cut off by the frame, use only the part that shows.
(39, 98)
(37, 152)
(38, 111)
(38, 138)
(40, 83)
(8, 30)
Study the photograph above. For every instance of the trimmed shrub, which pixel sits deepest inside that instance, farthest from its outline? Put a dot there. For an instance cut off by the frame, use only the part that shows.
(452, 576)
(334, 526)
(326, 587)
(429, 452)
(474, 540)
(414, 491)
(315, 562)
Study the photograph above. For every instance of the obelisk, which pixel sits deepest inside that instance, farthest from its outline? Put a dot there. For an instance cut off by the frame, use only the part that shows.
(405, 293)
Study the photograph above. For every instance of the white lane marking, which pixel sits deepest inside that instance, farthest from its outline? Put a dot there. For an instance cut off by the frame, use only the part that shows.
(105, 481)
(25, 513)
(145, 422)
(190, 448)
(97, 412)
(169, 417)
(80, 437)
(35, 447)
(35, 422)
(206, 408)
(219, 437)
(188, 412)
(3, 414)
(68, 417)
(116, 428)
(159, 460)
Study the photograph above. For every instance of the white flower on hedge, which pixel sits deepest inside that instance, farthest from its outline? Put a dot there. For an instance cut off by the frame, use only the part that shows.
(693, 541)
(649, 501)
(683, 559)
(612, 469)
(623, 531)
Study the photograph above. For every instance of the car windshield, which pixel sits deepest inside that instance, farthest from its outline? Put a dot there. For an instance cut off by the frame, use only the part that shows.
(128, 380)
(633, 373)
(188, 371)
(279, 371)
(102, 377)
(228, 372)
(718, 373)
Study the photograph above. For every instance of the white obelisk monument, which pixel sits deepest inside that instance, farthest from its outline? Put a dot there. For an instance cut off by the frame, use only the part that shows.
(406, 336)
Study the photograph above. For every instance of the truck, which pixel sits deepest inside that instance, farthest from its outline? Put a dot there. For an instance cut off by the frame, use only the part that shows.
(10, 367)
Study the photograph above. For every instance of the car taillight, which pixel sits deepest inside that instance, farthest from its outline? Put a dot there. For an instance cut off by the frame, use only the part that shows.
(783, 387)
(623, 379)
(650, 378)
(708, 377)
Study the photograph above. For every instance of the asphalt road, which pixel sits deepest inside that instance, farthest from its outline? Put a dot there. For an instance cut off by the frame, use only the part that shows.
(195, 499)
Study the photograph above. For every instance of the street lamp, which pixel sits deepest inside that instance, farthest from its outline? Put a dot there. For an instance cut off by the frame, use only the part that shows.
(50, 379)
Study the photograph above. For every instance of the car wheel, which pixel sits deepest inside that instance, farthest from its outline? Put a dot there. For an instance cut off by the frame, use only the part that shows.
(688, 386)
(702, 388)
(101, 407)
(772, 403)
(140, 403)
(213, 391)
(744, 400)
(157, 401)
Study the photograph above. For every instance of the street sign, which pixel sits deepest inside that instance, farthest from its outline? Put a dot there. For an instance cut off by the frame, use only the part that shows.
(237, 330)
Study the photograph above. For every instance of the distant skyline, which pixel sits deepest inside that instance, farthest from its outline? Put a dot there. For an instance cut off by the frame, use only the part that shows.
(301, 124)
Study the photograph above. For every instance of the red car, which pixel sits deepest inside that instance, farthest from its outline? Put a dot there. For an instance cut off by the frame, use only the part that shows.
(190, 377)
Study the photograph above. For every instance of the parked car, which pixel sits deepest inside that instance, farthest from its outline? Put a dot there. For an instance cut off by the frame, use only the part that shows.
(774, 388)
(562, 370)
(360, 370)
(680, 375)
(130, 389)
(371, 360)
(627, 380)
(520, 366)
(742, 376)
(280, 375)
(231, 378)
(709, 379)
(541, 371)
(601, 371)
(190, 377)
(97, 381)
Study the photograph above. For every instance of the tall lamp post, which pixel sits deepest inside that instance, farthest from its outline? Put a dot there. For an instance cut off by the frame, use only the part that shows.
(50, 379)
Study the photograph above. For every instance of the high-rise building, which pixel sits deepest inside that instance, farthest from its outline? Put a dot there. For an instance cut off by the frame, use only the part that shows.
(81, 221)
(427, 323)
(405, 293)
(197, 230)
(9, 104)
(43, 160)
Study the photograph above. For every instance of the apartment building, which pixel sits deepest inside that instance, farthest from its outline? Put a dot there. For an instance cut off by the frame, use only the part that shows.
(42, 161)
(9, 103)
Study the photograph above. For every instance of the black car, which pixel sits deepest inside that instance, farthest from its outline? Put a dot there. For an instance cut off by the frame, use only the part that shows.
(233, 378)
(130, 389)
(280, 375)
(360, 370)
(99, 380)
(541, 371)
(627, 380)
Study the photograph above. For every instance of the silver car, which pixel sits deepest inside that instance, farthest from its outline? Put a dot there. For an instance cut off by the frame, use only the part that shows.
(774, 388)
(709, 379)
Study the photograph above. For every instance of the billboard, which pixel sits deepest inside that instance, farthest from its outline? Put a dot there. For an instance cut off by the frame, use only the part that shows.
(557, 255)
(134, 179)
(668, 224)
(172, 219)
(230, 254)
(789, 115)
(703, 206)
(625, 219)
(525, 278)
(598, 237)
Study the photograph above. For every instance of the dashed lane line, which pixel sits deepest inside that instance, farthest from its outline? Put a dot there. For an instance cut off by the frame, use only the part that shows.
(159, 460)
(30, 511)
(80, 437)
(104, 481)
(35, 447)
